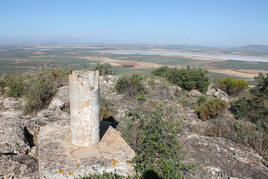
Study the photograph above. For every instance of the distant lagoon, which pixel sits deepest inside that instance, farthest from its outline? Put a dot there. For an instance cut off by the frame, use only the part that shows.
(166, 53)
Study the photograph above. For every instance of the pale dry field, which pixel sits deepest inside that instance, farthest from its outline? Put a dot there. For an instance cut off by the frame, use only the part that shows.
(244, 73)
(114, 62)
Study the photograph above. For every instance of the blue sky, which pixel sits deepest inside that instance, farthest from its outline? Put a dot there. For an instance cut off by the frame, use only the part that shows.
(192, 22)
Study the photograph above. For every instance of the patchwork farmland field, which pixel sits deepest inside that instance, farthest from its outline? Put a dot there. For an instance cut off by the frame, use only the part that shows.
(127, 58)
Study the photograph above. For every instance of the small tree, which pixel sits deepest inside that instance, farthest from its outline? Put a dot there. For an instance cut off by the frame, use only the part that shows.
(232, 86)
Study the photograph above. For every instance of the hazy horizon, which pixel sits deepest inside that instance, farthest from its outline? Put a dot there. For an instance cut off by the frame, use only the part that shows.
(202, 23)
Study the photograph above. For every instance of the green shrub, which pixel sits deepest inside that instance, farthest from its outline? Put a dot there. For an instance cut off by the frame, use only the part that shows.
(251, 109)
(15, 86)
(161, 71)
(39, 93)
(130, 85)
(104, 69)
(232, 86)
(3, 81)
(59, 77)
(187, 78)
(201, 100)
(37, 88)
(261, 89)
(156, 144)
(211, 108)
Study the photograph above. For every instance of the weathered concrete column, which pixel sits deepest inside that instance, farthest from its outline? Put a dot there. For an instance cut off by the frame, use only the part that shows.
(84, 107)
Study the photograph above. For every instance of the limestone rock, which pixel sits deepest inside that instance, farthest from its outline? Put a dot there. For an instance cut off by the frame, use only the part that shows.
(114, 145)
(53, 113)
(218, 94)
(59, 158)
(195, 93)
(12, 139)
(219, 158)
(61, 99)
(10, 103)
(18, 167)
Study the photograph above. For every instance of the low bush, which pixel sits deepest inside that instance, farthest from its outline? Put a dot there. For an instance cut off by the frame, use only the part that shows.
(14, 85)
(232, 86)
(254, 110)
(210, 108)
(201, 100)
(59, 77)
(250, 109)
(104, 69)
(161, 71)
(261, 89)
(187, 78)
(3, 81)
(39, 93)
(130, 85)
(37, 88)
(156, 144)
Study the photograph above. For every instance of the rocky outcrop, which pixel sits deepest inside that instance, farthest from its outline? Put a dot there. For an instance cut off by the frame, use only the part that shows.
(212, 157)
(18, 133)
(15, 143)
(11, 132)
(76, 150)
(58, 158)
(217, 93)
(219, 158)
(18, 167)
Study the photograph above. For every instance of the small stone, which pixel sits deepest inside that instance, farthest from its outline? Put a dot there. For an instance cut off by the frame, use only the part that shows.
(195, 93)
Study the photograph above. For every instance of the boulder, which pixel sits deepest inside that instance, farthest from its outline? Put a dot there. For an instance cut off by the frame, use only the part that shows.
(218, 94)
(61, 99)
(195, 93)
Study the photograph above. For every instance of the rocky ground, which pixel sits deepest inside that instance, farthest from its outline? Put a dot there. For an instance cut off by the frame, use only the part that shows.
(18, 135)
(212, 157)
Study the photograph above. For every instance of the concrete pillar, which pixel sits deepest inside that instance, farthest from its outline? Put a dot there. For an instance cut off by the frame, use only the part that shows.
(84, 107)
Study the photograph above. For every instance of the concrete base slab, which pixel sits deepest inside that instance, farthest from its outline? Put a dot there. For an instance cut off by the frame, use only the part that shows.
(60, 159)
